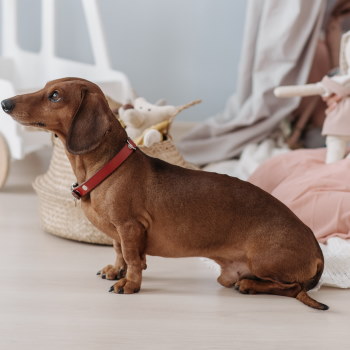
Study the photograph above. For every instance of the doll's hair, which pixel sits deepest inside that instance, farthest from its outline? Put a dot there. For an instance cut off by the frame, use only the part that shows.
(344, 65)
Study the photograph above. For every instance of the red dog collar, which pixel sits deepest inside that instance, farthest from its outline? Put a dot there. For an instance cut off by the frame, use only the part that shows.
(79, 191)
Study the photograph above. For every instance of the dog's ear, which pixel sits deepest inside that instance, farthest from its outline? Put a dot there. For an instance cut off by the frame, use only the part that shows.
(89, 124)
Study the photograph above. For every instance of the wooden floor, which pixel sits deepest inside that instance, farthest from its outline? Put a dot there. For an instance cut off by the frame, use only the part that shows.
(51, 298)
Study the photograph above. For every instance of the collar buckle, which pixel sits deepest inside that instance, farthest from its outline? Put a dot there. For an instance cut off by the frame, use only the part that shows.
(131, 145)
(74, 192)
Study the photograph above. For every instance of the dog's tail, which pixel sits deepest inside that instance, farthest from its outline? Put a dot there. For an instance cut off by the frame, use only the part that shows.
(307, 300)
(304, 297)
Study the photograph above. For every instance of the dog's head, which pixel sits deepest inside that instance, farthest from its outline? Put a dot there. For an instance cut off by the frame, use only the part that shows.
(73, 108)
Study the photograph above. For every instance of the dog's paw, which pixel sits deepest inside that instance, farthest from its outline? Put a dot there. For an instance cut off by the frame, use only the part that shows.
(111, 272)
(245, 286)
(125, 286)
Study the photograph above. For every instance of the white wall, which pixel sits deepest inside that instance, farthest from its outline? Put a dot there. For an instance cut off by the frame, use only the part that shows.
(174, 49)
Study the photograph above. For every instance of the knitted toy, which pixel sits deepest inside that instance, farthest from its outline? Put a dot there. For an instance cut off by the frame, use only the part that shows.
(337, 123)
(148, 123)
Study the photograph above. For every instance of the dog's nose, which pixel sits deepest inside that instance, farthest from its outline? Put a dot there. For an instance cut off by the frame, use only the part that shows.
(7, 105)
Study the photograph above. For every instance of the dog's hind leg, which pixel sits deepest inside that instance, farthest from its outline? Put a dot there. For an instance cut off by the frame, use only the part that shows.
(231, 271)
(227, 277)
(258, 286)
(294, 290)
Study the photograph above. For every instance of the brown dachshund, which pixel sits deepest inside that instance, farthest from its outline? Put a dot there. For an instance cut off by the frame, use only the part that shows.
(151, 207)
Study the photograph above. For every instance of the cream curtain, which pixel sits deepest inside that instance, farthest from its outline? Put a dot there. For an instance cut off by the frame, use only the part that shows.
(280, 38)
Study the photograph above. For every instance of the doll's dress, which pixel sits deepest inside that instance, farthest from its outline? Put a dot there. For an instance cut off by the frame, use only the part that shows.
(337, 121)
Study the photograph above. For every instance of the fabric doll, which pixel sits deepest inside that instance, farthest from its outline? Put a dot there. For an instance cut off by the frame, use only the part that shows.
(336, 127)
(148, 123)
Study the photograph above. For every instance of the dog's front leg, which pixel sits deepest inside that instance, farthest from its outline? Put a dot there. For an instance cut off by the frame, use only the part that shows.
(118, 270)
(133, 239)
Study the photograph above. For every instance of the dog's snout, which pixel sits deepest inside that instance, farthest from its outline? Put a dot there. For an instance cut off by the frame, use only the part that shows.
(7, 105)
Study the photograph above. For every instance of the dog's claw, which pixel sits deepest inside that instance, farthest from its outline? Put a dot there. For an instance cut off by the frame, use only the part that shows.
(98, 272)
(121, 290)
(111, 289)
(103, 276)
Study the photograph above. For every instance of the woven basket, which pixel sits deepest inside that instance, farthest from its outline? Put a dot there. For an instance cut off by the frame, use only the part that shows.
(60, 215)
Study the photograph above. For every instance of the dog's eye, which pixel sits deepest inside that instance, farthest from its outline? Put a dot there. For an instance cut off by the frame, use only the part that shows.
(54, 96)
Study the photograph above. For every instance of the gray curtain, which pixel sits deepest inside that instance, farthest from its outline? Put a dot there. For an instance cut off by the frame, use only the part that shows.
(280, 38)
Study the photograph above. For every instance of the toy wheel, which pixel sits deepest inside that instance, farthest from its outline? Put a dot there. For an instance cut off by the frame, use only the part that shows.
(4, 161)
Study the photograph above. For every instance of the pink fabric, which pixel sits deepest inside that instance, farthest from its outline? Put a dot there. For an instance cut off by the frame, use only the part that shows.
(318, 193)
(337, 122)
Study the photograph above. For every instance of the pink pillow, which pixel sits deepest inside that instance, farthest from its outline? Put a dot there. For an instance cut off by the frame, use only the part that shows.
(318, 193)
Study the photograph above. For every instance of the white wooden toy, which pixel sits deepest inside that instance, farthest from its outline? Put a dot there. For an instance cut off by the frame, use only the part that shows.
(22, 71)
